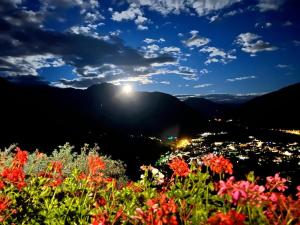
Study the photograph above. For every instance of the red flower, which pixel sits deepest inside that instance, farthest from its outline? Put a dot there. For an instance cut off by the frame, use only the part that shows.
(56, 167)
(231, 218)
(1, 184)
(100, 220)
(56, 182)
(217, 164)
(4, 203)
(20, 157)
(95, 164)
(179, 167)
(82, 176)
(15, 175)
(161, 211)
(276, 182)
(101, 202)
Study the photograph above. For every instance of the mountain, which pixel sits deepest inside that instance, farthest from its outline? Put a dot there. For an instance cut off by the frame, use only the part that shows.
(207, 108)
(279, 109)
(48, 114)
(230, 99)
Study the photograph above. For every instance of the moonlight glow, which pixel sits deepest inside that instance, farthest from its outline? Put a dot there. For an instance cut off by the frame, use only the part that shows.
(127, 89)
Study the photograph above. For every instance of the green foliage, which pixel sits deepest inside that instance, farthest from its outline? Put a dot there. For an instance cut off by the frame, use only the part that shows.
(87, 188)
(38, 162)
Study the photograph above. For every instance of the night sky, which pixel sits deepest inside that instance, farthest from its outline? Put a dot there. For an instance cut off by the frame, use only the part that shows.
(172, 46)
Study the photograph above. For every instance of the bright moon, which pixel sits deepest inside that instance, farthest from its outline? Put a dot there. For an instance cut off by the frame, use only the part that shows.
(127, 89)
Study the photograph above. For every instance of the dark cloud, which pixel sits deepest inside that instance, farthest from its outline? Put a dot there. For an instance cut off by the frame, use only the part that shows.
(26, 80)
(82, 82)
(21, 36)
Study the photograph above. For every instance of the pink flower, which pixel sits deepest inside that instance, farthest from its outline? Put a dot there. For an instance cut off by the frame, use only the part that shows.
(242, 191)
(276, 182)
(298, 194)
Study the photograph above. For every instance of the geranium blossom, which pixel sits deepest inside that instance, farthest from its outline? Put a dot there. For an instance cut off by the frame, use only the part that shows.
(14, 175)
(230, 218)
(242, 192)
(217, 164)
(161, 211)
(179, 167)
(95, 164)
(56, 167)
(276, 182)
(298, 194)
(20, 157)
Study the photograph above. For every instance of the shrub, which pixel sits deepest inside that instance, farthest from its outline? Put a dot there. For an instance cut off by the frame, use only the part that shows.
(66, 188)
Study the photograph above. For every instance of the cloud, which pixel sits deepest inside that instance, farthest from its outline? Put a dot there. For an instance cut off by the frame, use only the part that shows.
(26, 80)
(284, 66)
(268, 5)
(119, 75)
(202, 85)
(218, 55)
(142, 27)
(252, 44)
(201, 7)
(27, 65)
(151, 41)
(195, 40)
(233, 12)
(287, 23)
(263, 25)
(165, 82)
(171, 49)
(204, 71)
(88, 30)
(213, 18)
(132, 13)
(88, 11)
(241, 78)
(153, 50)
(296, 43)
(26, 47)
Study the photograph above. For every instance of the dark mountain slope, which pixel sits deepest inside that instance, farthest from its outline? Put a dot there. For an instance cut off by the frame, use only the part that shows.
(207, 108)
(279, 109)
(49, 114)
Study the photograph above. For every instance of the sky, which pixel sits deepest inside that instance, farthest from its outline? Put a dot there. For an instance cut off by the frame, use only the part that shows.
(175, 46)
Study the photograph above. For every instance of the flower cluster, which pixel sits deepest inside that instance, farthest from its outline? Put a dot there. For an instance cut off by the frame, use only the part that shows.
(179, 167)
(276, 182)
(192, 195)
(15, 173)
(160, 211)
(158, 177)
(242, 192)
(230, 218)
(96, 164)
(218, 164)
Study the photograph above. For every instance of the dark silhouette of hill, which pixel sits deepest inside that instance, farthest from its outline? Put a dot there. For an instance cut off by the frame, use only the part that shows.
(227, 99)
(44, 117)
(279, 109)
(208, 108)
(142, 112)
(41, 111)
